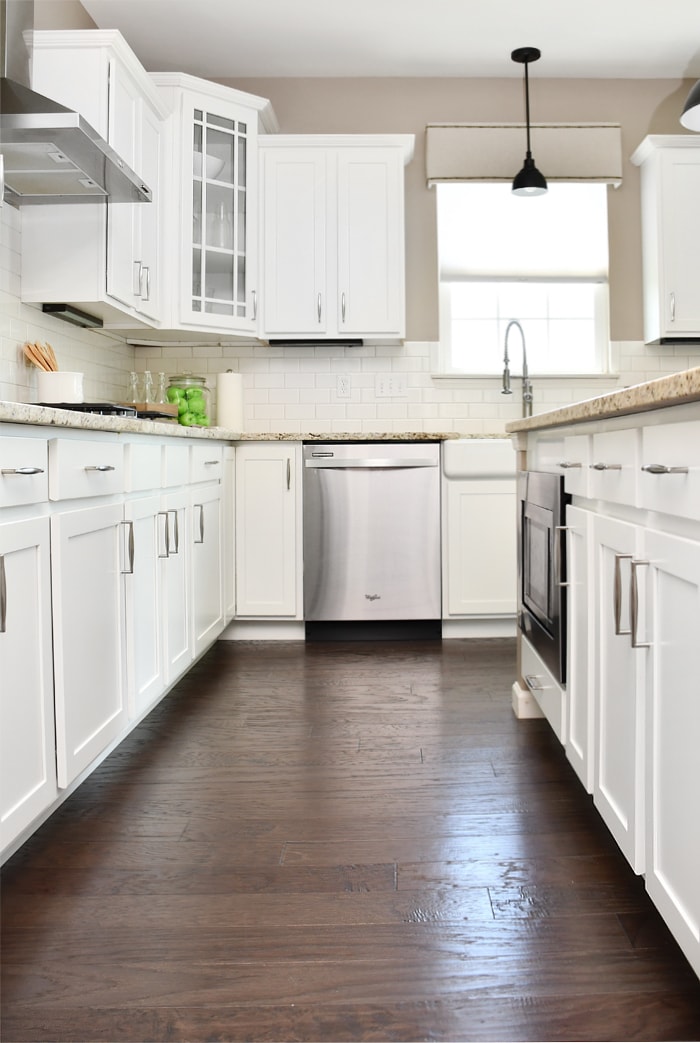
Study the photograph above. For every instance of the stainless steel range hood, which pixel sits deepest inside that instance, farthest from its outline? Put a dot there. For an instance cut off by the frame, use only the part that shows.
(50, 153)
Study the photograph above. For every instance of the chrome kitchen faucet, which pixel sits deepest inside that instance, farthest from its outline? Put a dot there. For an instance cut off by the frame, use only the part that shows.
(527, 384)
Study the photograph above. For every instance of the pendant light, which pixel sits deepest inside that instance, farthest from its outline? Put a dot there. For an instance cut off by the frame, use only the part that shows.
(529, 182)
(690, 117)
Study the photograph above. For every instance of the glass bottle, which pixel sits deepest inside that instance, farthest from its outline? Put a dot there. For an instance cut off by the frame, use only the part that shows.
(132, 394)
(162, 390)
(147, 387)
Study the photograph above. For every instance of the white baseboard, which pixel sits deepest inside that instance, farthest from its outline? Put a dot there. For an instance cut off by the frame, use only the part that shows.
(485, 626)
(264, 630)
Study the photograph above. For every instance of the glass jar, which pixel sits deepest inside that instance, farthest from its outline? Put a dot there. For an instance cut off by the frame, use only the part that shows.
(193, 399)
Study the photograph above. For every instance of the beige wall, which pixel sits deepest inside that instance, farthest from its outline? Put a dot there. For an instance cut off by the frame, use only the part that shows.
(402, 106)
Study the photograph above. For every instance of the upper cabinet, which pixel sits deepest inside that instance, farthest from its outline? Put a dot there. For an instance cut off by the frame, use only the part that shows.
(105, 257)
(332, 236)
(212, 204)
(670, 185)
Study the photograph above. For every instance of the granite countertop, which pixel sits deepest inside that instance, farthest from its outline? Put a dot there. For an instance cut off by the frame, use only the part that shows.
(46, 416)
(672, 390)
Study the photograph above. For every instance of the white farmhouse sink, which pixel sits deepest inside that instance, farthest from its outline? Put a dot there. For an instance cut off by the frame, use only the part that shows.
(478, 458)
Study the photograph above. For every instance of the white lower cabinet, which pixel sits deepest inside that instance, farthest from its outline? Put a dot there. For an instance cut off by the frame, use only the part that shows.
(88, 630)
(579, 740)
(206, 534)
(144, 604)
(619, 689)
(673, 735)
(481, 569)
(175, 586)
(27, 742)
(268, 529)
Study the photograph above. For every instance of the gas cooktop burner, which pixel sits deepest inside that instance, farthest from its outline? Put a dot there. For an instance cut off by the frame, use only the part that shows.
(104, 408)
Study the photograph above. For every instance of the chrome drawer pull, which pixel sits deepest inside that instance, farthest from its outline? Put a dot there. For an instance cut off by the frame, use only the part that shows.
(100, 467)
(211, 463)
(176, 530)
(22, 470)
(3, 595)
(663, 469)
(164, 515)
(617, 595)
(532, 681)
(606, 467)
(130, 570)
(200, 506)
(634, 606)
(566, 464)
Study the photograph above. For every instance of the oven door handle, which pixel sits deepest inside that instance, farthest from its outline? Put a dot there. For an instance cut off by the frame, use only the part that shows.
(558, 558)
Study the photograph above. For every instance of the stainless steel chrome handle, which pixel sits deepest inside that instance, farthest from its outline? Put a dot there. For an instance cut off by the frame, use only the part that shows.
(211, 463)
(136, 287)
(663, 469)
(363, 464)
(3, 595)
(617, 595)
(176, 531)
(532, 681)
(130, 545)
(634, 606)
(201, 523)
(22, 470)
(673, 307)
(164, 515)
(100, 467)
(254, 295)
(318, 307)
(342, 307)
(568, 464)
(560, 583)
(147, 272)
(606, 467)
(289, 474)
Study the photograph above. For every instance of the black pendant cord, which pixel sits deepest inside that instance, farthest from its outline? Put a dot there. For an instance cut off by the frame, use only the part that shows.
(527, 112)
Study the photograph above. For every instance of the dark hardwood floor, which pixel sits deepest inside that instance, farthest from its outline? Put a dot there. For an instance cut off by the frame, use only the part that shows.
(336, 842)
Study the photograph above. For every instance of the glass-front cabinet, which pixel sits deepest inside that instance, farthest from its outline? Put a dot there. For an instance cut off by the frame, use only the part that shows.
(214, 165)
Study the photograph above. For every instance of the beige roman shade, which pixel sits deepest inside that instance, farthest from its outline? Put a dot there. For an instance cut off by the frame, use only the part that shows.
(588, 152)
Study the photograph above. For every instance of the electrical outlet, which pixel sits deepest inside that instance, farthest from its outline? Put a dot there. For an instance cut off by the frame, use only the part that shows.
(391, 385)
(343, 385)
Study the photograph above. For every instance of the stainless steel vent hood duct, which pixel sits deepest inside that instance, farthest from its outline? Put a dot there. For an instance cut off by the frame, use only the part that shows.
(50, 153)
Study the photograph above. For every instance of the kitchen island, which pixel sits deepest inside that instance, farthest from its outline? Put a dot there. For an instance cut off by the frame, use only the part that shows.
(628, 714)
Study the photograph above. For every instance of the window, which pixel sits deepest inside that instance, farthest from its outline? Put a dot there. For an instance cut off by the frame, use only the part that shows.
(542, 261)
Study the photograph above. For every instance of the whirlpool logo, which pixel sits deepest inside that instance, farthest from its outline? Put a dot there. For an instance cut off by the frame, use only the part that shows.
(373, 597)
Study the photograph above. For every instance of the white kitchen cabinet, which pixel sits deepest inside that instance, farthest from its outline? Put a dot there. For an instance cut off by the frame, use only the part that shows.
(207, 558)
(672, 864)
(102, 257)
(177, 635)
(332, 235)
(580, 658)
(618, 790)
(145, 606)
(27, 740)
(480, 570)
(268, 530)
(212, 202)
(88, 629)
(670, 184)
(229, 516)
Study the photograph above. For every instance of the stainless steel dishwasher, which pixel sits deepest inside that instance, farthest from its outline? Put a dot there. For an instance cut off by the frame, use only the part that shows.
(372, 531)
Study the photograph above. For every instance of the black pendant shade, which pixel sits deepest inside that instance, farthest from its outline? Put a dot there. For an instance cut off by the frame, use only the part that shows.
(529, 182)
(690, 117)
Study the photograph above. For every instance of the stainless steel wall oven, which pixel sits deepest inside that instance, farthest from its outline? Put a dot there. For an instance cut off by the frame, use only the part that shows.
(542, 566)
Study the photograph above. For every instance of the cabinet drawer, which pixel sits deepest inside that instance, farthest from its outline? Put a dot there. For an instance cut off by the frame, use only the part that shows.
(176, 465)
(24, 475)
(207, 463)
(143, 463)
(661, 488)
(83, 468)
(614, 466)
(575, 463)
(550, 696)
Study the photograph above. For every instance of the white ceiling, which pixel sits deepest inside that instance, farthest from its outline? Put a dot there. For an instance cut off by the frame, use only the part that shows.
(242, 38)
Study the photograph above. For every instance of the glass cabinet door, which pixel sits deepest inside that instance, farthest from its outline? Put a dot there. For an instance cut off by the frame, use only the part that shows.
(219, 207)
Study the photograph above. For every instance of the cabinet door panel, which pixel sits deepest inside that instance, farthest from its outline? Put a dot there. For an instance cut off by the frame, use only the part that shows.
(680, 233)
(580, 646)
(480, 582)
(370, 242)
(617, 789)
(91, 705)
(27, 753)
(143, 604)
(673, 738)
(207, 573)
(295, 200)
(176, 590)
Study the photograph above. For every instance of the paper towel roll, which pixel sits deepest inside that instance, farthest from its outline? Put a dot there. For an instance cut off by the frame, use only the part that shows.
(229, 401)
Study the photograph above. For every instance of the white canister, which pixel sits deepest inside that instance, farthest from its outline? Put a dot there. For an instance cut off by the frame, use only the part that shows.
(56, 387)
(229, 401)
